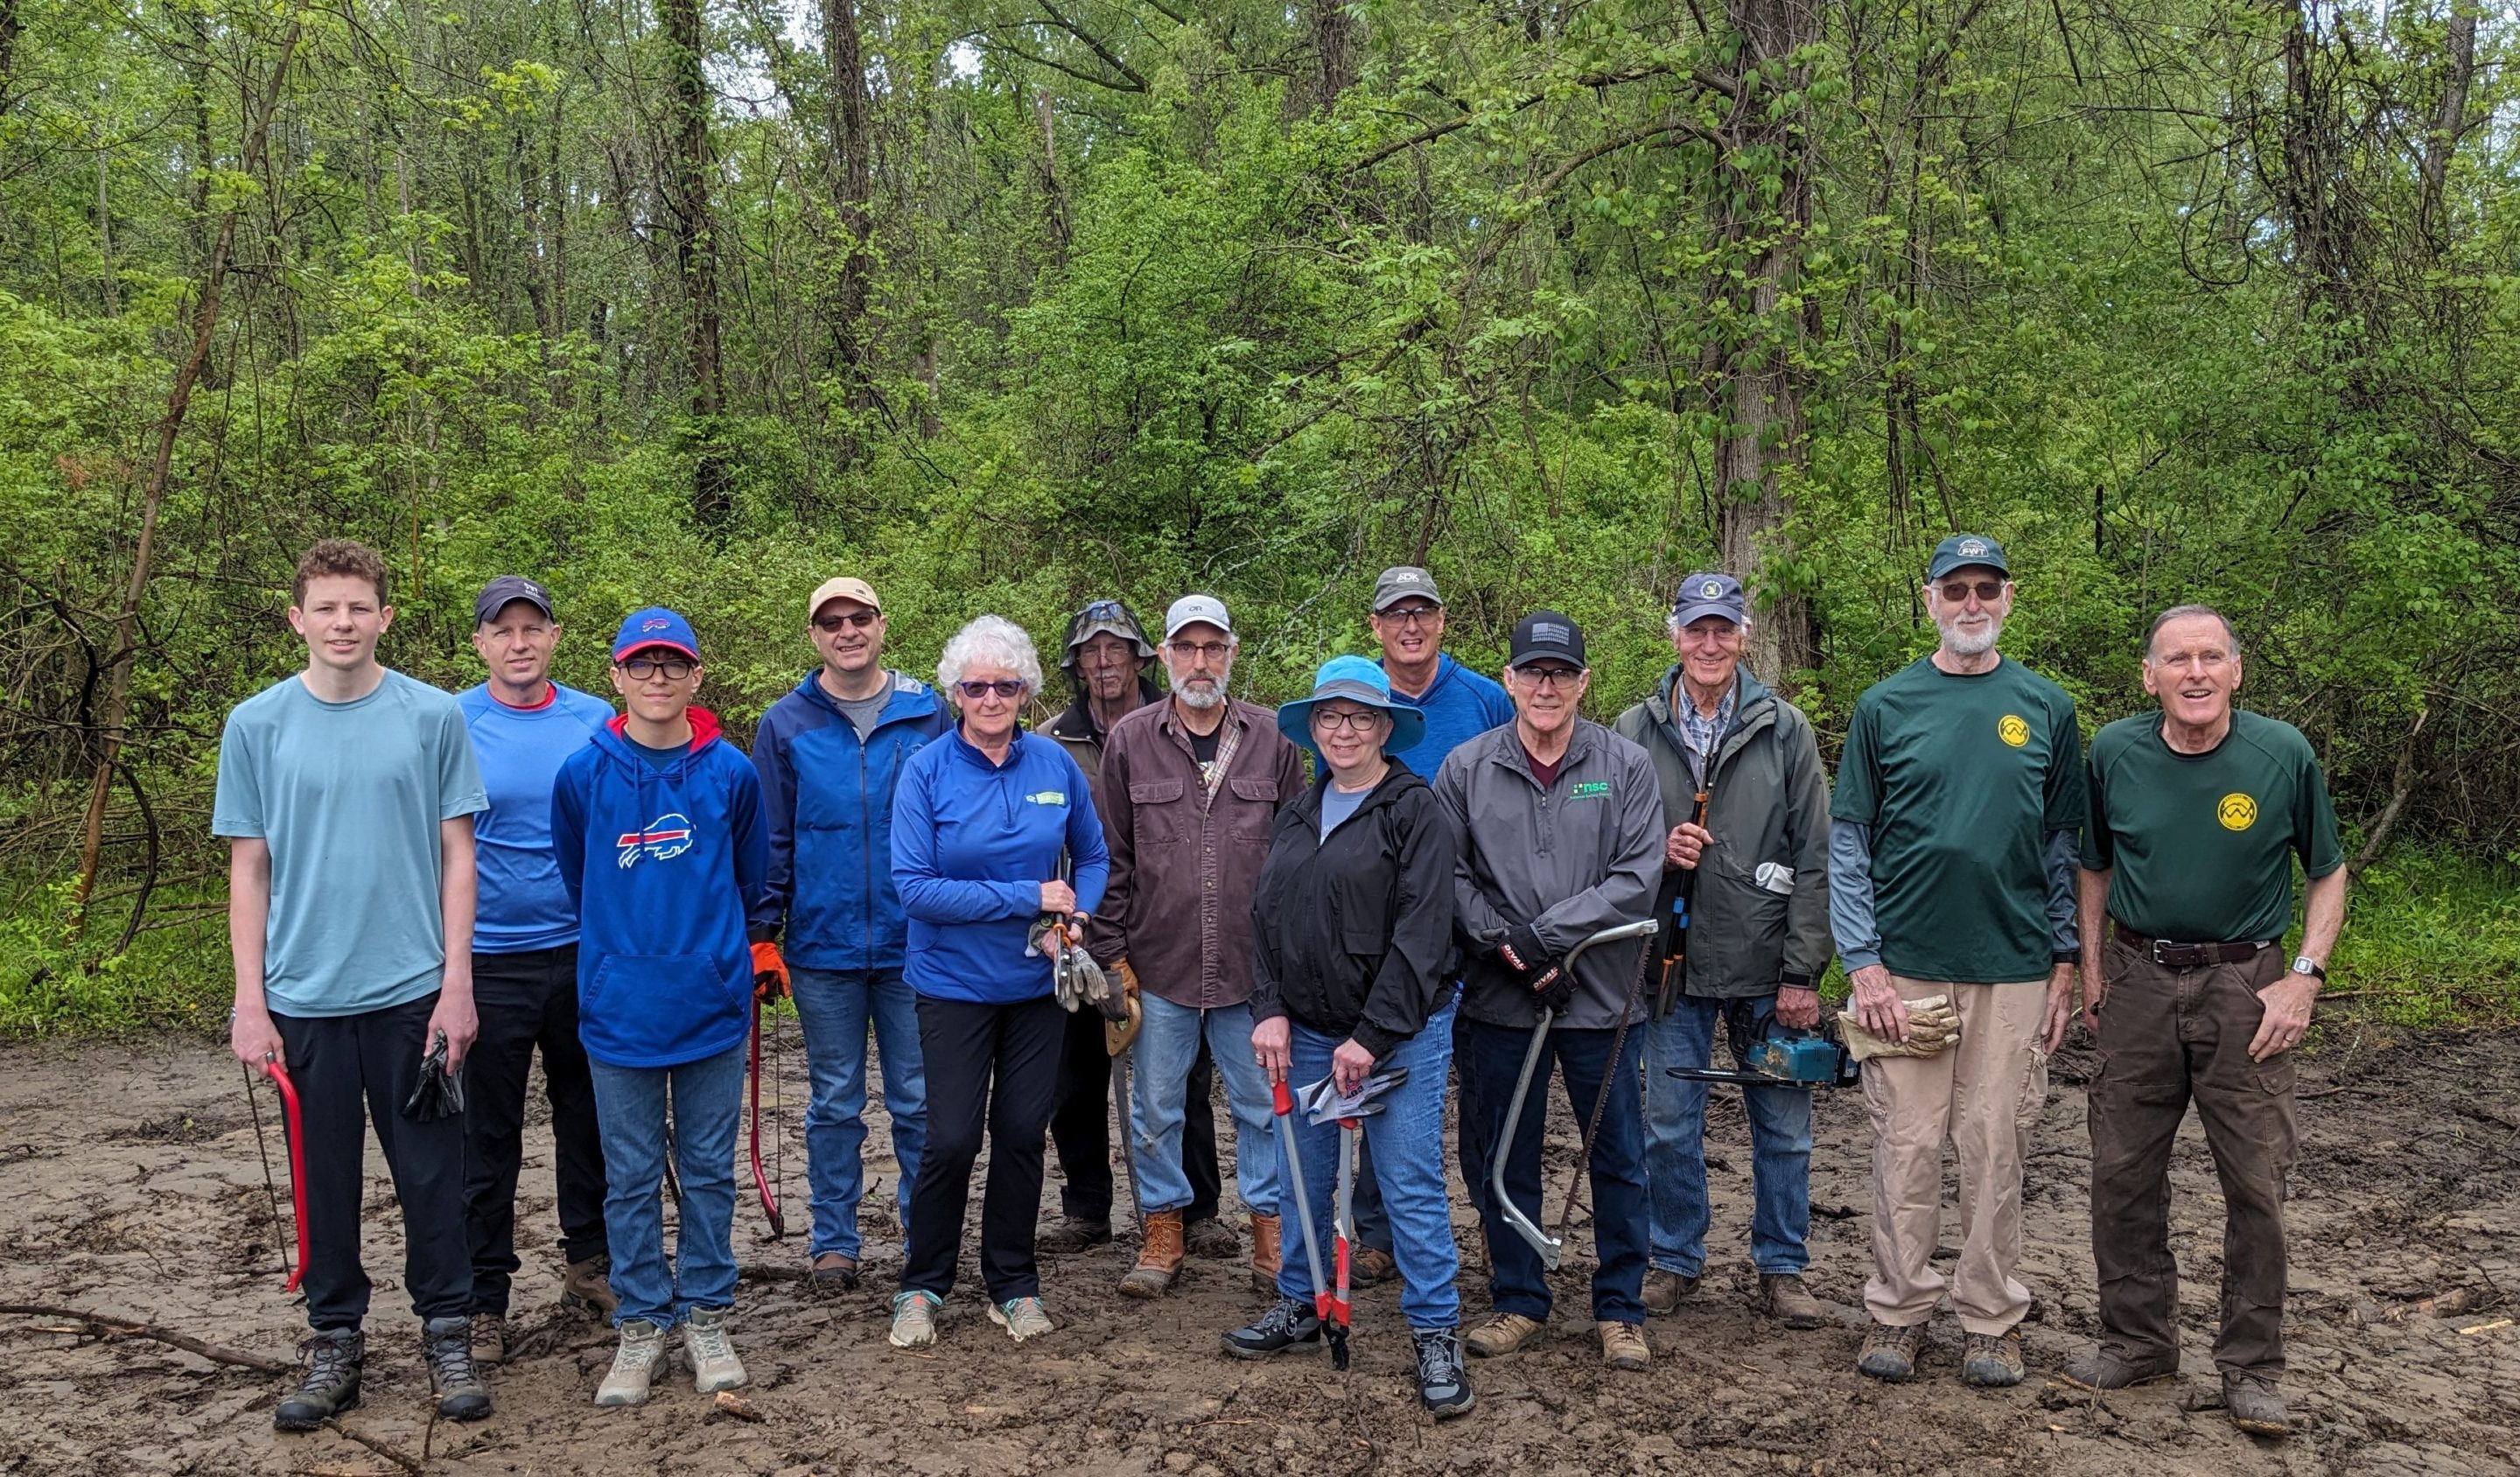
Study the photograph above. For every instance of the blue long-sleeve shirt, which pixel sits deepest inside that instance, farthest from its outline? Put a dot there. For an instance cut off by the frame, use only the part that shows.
(1460, 704)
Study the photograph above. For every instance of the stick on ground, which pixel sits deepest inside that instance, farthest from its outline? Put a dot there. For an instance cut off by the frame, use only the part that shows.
(116, 1327)
(398, 1458)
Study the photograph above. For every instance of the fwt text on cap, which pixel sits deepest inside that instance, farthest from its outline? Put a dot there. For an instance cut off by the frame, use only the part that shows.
(1963, 550)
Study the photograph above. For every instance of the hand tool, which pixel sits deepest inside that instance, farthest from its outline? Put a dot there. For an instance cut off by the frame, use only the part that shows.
(1336, 1322)
(1282, 1102)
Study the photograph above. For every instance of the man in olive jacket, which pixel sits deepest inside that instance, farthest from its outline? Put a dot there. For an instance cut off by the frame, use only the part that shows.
(1751, 871)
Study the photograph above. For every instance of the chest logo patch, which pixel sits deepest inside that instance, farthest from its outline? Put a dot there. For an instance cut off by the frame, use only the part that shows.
(2236, 811)
(1591, 789)
(663, 839)
(2013, 730)
(1047, 797)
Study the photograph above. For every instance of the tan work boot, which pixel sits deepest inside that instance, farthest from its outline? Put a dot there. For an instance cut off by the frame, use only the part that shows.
(1159, 1259)
(489, 1338)
(1788, 1301)
(1505, 1333)
(1623, 1346)
(588, 1285)
(1371, 1267)
(1263, 1254)
(1667, 1290)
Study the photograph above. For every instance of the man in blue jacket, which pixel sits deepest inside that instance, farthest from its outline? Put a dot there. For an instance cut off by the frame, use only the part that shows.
(830, 754)
(661, 841)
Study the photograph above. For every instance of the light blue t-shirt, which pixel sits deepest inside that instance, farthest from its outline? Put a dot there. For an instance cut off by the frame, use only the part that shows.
(1337, 805)
(523, 906)
(348, 796)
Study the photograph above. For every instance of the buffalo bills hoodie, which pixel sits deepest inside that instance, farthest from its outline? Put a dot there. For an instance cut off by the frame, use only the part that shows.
(662, 862)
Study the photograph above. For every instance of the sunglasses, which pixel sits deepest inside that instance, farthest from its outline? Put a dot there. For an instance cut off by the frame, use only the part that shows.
(671, 668)
(860, 619)
(1549, 677)
(1003, 687)
(1413, 616)
(1103, 609)
(1989, 591)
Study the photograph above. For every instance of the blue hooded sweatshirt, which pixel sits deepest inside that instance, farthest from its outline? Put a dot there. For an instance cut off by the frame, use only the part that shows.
(973, 841)
(661, 863)
(1460, 706)
(830, 798)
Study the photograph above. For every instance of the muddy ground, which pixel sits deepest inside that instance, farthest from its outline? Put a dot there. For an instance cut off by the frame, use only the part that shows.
(132, 1189)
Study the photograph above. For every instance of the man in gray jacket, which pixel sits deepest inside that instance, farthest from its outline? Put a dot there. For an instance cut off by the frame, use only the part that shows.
(1745, 936)
(1559, 826)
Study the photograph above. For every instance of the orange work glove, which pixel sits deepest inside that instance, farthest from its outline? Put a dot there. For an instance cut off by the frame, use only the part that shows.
(769, 973)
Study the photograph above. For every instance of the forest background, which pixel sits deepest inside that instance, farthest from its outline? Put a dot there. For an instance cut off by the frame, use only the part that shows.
(1007, 304)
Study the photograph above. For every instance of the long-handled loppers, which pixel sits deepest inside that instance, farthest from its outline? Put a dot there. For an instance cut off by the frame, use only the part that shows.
(1343, 1203)
(1282, 1102)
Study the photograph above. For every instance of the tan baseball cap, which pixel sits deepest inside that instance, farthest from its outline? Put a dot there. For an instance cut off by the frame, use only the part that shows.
(842, 587)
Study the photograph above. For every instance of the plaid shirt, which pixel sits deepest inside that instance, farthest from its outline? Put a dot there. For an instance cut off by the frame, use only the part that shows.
(1705, 734)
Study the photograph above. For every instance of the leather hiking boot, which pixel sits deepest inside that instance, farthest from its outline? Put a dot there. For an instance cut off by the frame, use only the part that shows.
(833, 1269)
(707, 1343)
(489, 1338)
(588, 1285)
(1665, 1292)
(1890, 1352)
(2256, 1405)
(1443, 1381)
(634, 1364)
(1372, 1268)
(1623, 1346)
(1071, 1236)
(2102, 1370)
(1211, 1239)
(1787, 1301)
(1992, 1360)
(446, 1343)
(1288, 1324)
(1159, 1256)
(331, 1384)
(1505, 1333)
(1263, 1254)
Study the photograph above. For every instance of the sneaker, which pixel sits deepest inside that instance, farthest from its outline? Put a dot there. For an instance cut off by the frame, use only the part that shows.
(1787, 1301)
(1890, 1352)
(1443, 1383)
(833, 1269)
(1372, 1267)
(1289, 1322)
(588, 1285)
(706, 1344)
(914, 1318)
(2255, 1404)
(2102, 1370)
(1023, 1317)
(1072, 1234)
(1212, 1240)
(1505, 1333)
(1623, 1346)
(1993, 1359)
(634, 1364)
(1665, 1292)
(446, 1343)
(331, 1384)
(489, 1338)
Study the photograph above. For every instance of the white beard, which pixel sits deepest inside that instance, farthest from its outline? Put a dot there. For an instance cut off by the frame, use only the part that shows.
(1962, 643)
(1202, 698)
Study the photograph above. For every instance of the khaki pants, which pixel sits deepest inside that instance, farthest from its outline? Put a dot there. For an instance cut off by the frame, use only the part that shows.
(1982, 1095)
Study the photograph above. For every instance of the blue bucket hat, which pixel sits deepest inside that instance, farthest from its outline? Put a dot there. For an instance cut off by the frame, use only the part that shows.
(1352, 679)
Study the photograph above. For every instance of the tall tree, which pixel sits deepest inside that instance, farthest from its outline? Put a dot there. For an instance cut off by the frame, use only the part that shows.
(852, 185)
(689, 169)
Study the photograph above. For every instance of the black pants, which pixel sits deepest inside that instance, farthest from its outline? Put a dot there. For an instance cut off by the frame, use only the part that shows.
(993, 1067)
(525, 1001)
(1080, 1125)
(350, 1071)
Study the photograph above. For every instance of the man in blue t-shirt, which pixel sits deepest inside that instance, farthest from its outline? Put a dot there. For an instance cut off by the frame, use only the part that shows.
(347, 793)
(524, 960)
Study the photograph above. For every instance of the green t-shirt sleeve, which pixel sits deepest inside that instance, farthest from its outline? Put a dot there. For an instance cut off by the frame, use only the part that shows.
(236, 808)
(2068, 784)
(1858, 794)
(2314, 821)
(459, 774)
(2099, 847)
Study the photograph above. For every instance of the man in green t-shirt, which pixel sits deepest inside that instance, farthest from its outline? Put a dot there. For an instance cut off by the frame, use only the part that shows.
(1951, 873)
(2197, 812)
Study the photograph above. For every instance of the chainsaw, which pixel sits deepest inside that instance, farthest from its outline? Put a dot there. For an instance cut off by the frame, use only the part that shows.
(1783, 1062)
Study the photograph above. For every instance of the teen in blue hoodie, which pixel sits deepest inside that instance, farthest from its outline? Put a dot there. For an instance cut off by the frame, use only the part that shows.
(978, 827)
(662, 843)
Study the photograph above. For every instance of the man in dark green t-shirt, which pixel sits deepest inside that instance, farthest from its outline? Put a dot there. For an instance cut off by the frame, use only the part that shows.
(2197, 813)
(1950, 874)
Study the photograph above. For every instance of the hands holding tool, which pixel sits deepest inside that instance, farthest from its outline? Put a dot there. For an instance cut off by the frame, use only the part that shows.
(1350, 1066)
(251, 1037)
(769, 973)
(1687, 842)
(1797, 1007)
(1272, 1046)
(1547, 979)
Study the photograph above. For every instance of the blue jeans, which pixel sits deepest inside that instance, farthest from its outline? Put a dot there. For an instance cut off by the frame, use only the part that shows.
(1518, 1281)
(1160, 1102)
(630, 1108)
(1408, 1144)
(1780, 1141)
(837, 1006)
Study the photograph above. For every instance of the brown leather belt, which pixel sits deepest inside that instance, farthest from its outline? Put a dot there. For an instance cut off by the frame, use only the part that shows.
(2172, 956)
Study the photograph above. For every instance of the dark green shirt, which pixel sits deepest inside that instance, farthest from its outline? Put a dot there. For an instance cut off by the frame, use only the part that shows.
(2200, 846)
(1961, 781)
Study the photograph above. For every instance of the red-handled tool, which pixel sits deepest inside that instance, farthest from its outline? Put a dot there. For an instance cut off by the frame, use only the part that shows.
(297, 1131)
(761, 1180)
(1282, 1102)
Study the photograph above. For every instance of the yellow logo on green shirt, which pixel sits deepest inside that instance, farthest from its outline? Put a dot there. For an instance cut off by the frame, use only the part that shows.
(2012, 729)
(2238, 812)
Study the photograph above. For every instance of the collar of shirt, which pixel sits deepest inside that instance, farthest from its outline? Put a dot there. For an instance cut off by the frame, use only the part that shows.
(1702, 732)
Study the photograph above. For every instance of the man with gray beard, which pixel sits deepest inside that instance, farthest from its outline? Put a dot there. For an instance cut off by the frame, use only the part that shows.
(1952, 876)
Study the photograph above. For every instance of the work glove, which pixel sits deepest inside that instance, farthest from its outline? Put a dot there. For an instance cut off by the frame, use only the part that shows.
(1551, 986)
(769, 973)
(1932, 1027)
(439, 1093)
(1116, 1002)
(1121, 1030)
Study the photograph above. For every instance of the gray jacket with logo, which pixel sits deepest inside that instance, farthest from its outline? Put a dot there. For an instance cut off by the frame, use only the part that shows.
(1768, 810)
(1580, 856)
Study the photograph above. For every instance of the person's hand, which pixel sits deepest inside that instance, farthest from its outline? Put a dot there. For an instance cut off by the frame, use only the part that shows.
(1350, 1066)
(1687, 842)
(2096, 984)
(455, 1018)
(2288, 1001)
(2060, 1007)
(254, 1039)
(1272, 1046)
(1058, 898)
(1877, 1004)
(770, 974)
(1797, 1007)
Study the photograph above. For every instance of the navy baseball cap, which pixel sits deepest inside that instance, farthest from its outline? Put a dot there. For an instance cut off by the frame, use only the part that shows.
(500, 593)
(1545, 634)
(1709, 594)
(1963, 550)
(656, 626)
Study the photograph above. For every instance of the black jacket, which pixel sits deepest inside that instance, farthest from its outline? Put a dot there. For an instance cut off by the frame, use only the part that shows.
(1350, 936)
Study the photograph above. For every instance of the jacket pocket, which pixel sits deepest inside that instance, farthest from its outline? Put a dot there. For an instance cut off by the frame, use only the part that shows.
(648, 1006)
(1254, 787)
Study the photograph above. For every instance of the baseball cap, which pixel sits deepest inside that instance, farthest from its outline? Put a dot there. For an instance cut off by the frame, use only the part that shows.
(496, 596)
(842, 587)
(1964, 549)
(1191, 610)
(1709, 594)
(656, 626)
(1401, 581)
(1545, 634)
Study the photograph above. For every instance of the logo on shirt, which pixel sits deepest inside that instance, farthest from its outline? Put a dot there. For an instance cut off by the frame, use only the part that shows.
(2236, 811)
(2013, 730)
(1591, 789)
(1047, 797)
(665, 838)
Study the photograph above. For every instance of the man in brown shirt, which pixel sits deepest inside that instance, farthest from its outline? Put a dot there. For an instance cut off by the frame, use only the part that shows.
(1191, 787)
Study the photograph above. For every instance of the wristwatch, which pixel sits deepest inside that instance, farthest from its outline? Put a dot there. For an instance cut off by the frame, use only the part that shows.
(2303, 964)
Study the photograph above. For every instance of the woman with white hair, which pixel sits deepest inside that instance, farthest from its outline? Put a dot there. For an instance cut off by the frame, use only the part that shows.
(978, 826)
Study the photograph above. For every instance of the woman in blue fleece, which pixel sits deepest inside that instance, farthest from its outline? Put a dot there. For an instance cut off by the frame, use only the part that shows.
(978, 824)
(661, 841)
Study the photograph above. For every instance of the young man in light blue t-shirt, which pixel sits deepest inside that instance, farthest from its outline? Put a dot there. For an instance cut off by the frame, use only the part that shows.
(348, 794)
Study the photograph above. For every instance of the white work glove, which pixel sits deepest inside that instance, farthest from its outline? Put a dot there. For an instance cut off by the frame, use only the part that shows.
(1932, 1027)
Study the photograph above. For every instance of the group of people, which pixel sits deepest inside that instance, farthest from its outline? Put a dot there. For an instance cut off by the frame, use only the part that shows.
(1158, 878)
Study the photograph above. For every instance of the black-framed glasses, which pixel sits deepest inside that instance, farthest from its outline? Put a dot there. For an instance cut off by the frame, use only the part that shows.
(1989, 591)
(1354, 721)
(1003, 687)
(1203, 650)
(671, 668)
(858, 618)
(1414, 615)
(1550, 677)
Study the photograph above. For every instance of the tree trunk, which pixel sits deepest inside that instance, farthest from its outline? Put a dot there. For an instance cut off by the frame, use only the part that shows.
(695, 250)
(2449, 115)
(853, 187)
(1334, 51)
(11, 27)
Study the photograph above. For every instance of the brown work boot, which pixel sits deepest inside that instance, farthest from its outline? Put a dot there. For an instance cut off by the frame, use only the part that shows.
(1623, 1346)
(1159, 1259)
(833, 1269)
(1505, 1333)
(2102, 1370)
(1263, 1254)
(1993, 1359)
(1890, 1352)
(1788, 1302)
(1667, 1290)
(2255, 1404)
(1072, 1234)
(1371, 1267)
(588, 1285)
(1211, 1239)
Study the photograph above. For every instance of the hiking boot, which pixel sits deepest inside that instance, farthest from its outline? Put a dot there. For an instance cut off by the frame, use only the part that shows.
(914, 1318)
(446, 1344)
(331, 1384)
(1159, 1256)
(2255, 1404)
(489, 1338)
(1443, 1383)
(2102, 1370)
(588, 1285)
(1264, 1253)
(1023, 1317)
(1787, 1301)
(1209, 1237)
(1371, 1267)
(1993, 1359)
(1890, 1352)
(1289, 1322)
(1665, 1292)
(634, 1364)
(1072, 1234)
(1623, 1346)
(1505, 1333)
(706, 1345)
(833, 1269)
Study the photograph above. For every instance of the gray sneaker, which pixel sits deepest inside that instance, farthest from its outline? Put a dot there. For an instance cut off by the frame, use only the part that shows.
(706, 1344)
(2255, 1404)
(1023, 1317)
(914, 1318)
(634, 1364)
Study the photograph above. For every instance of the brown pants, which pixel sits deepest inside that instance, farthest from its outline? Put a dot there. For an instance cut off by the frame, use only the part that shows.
(2167, 1036)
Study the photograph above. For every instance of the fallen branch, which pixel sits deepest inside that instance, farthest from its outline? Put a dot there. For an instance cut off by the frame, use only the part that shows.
(114, 1327)
(402, 1460)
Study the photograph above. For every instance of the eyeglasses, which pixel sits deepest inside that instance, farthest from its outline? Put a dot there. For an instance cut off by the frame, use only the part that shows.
(671, 668)
(1549, 677)
(1202, 650)
(860, 619)
(1413, 616)
(1003, 687)
(1103, 609)
(1989, 591)
(1354, 721)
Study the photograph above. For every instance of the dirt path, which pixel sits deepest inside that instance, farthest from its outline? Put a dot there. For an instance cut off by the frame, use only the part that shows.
(132, 1189)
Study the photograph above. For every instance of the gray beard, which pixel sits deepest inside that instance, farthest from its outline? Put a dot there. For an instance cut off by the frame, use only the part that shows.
(1202, 698)
(1979, 644)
